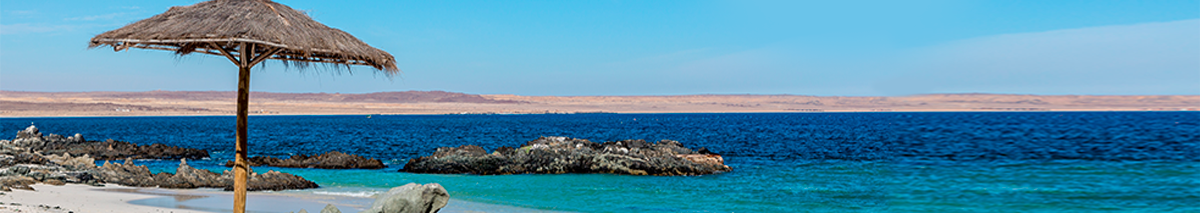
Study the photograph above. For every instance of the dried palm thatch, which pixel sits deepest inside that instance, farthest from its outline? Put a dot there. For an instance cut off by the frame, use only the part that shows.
(273, 30)
(246, 32)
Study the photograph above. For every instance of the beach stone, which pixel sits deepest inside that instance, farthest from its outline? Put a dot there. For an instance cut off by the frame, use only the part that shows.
(329, 208)
(328, 160)
(411, 198)
(55, 182)
(17, 182)
(559, 155)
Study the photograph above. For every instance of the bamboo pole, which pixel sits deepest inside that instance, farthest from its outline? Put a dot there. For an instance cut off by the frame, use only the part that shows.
(240, 167)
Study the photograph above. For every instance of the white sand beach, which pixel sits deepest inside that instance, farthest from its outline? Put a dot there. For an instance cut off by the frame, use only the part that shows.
(124, 199)
(78, 198)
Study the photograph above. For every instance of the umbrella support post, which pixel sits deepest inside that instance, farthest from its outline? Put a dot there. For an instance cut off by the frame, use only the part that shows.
(241, 167)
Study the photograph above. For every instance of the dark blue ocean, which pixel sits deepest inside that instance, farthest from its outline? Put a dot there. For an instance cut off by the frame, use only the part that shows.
(782, 162)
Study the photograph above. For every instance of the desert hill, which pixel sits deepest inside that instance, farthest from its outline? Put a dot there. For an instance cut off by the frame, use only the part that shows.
(23, 104)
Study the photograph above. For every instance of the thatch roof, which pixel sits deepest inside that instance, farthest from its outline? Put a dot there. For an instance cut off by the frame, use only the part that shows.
(217, 27)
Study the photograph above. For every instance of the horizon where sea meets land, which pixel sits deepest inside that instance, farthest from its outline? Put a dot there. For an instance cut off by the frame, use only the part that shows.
(782, 162)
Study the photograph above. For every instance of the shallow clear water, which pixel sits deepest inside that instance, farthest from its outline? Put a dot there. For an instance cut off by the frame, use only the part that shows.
(821, 162)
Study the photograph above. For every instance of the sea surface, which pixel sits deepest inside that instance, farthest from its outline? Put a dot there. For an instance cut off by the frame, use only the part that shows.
(782, 162)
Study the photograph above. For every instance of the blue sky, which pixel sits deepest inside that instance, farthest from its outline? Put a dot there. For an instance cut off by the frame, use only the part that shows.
(845, 48)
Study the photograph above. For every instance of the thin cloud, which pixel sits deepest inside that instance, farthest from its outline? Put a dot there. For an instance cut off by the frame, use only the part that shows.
(1148, 58)
(23, 12)
(7, 29)
(109, 16)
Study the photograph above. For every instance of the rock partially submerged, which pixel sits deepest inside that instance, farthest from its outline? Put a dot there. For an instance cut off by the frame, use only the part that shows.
(409, 198)
(187, 177)
(329, 160)
(558, 155)
(76, 145)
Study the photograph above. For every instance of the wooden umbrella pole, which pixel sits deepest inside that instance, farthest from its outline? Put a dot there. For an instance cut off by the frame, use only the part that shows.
(240, 167)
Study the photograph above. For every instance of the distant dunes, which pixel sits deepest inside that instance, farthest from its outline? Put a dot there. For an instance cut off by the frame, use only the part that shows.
(378, 97)
(24, 104)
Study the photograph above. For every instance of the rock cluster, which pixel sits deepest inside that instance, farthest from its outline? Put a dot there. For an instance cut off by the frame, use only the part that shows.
(109, 149)
(22, 164)
(558, 155)
(20, 168)
(187, 177)
(329, 160)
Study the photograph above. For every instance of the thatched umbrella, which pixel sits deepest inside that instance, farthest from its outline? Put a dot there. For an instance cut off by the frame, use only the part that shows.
(246, 32)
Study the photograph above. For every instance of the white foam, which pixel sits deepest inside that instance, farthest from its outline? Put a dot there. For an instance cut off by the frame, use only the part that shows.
(366, 194)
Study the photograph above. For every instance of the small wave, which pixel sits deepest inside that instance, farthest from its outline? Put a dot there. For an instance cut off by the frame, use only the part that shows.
(366, 194)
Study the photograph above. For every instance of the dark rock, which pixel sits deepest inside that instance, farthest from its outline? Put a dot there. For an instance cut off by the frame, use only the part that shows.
(411, 198)
(113, 150)
(272, 180)
(329, 160)
(188, 177)
(29, 158)
(557, 155)
(126, 174)
(31, 139)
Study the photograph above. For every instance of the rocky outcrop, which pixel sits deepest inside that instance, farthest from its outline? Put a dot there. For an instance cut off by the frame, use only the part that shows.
(44, 172)
(558, 155)
(187, 177)
(76, 145)
(329, 160)
(23, 162)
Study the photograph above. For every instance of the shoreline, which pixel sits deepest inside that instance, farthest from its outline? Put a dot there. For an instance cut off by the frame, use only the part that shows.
(622, 113)
(118, 198)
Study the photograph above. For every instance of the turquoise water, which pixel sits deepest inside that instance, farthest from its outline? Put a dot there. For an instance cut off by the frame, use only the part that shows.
(826, 187)
(819, 162)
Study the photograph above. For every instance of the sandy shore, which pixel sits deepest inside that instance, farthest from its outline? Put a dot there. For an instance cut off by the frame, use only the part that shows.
(124, 199)
(78, 198)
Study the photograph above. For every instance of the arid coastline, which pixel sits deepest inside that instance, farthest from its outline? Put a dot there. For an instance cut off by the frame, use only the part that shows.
(200, 103)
